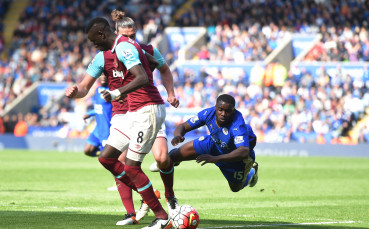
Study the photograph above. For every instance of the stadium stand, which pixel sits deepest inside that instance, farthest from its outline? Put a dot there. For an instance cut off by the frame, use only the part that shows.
(281, 104)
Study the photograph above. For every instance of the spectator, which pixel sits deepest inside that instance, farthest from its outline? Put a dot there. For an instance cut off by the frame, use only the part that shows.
(2, 127)
(21, 127)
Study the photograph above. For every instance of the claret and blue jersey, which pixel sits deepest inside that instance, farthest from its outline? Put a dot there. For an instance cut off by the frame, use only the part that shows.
(223, 140)
(96, 67)
(103, 62)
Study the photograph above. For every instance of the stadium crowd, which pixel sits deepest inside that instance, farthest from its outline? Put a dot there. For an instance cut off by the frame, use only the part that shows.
(293, 106)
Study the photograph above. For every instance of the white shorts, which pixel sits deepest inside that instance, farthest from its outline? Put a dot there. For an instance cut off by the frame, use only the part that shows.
(162, 132)
(136, 130)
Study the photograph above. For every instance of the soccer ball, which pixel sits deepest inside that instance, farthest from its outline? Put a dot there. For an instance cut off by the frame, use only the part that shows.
(185, 217)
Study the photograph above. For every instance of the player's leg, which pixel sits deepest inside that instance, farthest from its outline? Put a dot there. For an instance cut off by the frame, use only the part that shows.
(166, 168)
(190, 150)
(110, 158)
(125, 193)
(186, 152)
(160, 151)
(117, 142)
(93, 145)
(255, 178)
(146, 123)
(238, 174)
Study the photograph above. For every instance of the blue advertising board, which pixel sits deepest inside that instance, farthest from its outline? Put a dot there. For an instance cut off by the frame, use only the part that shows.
(301, 42)
(180, 37)
(355, 70)
(47, 91)
(229, 70)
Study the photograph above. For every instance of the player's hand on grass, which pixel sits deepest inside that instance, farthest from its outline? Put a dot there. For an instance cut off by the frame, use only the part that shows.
(71, 91)
(177, 139)
(173, 101)
(206, 158)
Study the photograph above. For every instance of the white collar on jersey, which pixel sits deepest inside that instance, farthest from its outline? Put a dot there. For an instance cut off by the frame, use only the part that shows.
(115, 43)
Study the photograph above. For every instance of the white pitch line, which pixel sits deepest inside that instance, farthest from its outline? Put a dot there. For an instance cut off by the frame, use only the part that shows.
(278, 224)
(269, 217)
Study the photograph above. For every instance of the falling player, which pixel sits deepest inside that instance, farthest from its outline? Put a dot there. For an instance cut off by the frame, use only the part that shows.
(230, 144)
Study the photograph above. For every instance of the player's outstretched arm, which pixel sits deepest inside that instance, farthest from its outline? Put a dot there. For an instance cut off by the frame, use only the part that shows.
(167, 80)
(179, 133)
(239, 154)
(89, 114)
(80, 90)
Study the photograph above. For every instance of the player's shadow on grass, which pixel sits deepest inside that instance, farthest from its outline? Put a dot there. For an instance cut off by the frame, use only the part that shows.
(70, 219)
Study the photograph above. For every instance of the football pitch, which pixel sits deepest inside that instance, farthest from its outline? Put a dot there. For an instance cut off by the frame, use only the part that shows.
(40, 189)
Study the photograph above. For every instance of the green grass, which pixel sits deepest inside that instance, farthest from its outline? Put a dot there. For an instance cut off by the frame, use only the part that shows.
(69, 190)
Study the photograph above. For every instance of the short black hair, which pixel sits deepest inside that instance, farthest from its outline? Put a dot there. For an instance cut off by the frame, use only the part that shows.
(97, 21)
(227, 99)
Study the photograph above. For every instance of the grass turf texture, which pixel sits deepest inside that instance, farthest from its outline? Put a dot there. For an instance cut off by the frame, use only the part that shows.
(69, 190)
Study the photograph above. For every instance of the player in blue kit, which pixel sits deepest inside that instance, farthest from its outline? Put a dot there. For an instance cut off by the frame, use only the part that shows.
(103, 113)
(230, 144)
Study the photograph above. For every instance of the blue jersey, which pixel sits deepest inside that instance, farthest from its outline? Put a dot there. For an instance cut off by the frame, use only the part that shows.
(223, 140)
(229, 137)
(103, 113)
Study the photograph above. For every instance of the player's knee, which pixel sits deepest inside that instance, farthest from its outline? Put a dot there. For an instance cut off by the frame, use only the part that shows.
(175, 154)
(163, 162)
(235, 188)
(132, 171)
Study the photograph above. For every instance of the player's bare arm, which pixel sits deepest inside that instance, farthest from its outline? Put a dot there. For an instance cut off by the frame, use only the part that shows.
(86, 116)
(238, 154)
(179, 133)
(80, 90)
(167, 80)
(141, 79)
(152, 61)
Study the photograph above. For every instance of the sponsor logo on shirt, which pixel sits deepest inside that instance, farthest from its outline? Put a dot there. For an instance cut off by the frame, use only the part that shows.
(220, 143)
(194, 119)
(238, 139)
(127, 54)
(118, 74)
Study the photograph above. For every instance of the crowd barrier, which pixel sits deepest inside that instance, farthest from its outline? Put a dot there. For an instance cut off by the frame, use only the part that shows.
(262, 149)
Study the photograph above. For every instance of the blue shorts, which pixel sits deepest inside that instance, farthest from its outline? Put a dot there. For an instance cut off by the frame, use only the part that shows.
(234, 172)
(94, 140)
